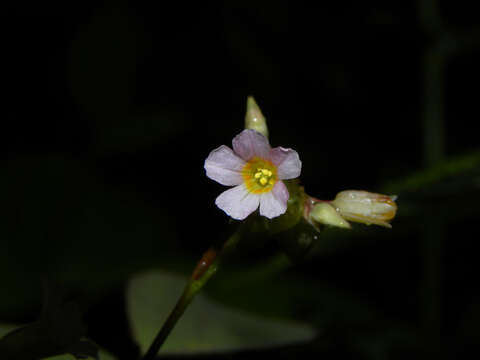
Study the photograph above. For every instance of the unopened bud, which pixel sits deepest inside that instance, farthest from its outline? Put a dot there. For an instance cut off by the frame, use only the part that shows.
(254, 118)
(325, 213)
(365, 207)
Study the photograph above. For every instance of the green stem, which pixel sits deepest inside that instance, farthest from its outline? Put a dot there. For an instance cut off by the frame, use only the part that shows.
(435, 60)
(205, 269)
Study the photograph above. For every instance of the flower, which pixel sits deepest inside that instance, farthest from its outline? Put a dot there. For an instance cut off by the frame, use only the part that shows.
(365, 207)
(325, 213)
(256, 171)
(254, 118)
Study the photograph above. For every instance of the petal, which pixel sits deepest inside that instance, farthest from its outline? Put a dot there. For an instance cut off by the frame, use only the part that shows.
(250, 143)
(238, 202)
(287, 161)
(224, 166)
(274, 203)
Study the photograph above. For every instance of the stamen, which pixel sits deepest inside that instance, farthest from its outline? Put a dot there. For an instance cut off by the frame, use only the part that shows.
(260, 176)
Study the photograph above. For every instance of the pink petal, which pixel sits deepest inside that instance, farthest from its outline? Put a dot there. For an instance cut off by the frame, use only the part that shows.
(287, 161)
(237, 202)
(224, 166)
(274, 203)
(250, 143)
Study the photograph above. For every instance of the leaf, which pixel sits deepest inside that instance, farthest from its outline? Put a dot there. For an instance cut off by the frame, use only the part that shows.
(206, 326)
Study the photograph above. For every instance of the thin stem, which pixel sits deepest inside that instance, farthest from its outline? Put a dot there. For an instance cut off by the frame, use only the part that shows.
(434, 64)
(205, 269)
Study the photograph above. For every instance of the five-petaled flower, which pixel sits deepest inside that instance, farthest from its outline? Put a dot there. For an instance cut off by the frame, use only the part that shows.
(256, 171)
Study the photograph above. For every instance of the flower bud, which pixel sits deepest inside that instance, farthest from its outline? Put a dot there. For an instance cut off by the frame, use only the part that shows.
(254, 118)
(365, 207)
(325, 213)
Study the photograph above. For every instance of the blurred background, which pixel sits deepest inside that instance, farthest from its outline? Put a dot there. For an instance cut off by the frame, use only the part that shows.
(111, 107)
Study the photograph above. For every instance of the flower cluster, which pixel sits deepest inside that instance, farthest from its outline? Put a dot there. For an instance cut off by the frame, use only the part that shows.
(256, 171)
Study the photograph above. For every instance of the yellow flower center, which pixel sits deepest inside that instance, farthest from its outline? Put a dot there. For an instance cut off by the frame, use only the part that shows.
(259, 175)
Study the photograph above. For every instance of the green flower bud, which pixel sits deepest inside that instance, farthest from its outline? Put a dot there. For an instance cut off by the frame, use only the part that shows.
(325, 213)
(254, 118)
(365, 207)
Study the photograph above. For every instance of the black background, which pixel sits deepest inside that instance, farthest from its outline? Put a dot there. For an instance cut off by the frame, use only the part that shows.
(110, 108)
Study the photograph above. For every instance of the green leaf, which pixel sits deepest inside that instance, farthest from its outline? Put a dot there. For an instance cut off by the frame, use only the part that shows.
(206, 326)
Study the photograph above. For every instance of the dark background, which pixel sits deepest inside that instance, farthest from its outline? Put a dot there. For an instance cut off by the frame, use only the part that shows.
(110, 108)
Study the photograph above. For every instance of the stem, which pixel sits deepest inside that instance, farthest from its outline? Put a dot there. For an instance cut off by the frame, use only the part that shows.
(435, 60)
(205, 269)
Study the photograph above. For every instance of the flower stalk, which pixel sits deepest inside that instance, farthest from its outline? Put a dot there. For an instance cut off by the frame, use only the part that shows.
(205, 269)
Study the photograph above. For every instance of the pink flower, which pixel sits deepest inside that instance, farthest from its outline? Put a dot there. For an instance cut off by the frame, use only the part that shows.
(256, 171)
